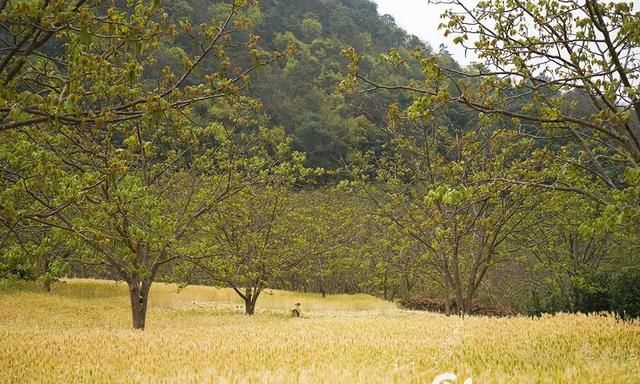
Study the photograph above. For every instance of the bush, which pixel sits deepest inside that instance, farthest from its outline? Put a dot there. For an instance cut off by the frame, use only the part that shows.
(624, 293)
(423, 302)
(594, 294)
(15, 265)
(605, 291)
(426, 303)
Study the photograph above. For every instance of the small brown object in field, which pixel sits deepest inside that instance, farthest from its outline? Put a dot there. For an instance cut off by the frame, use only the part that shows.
(295, 311)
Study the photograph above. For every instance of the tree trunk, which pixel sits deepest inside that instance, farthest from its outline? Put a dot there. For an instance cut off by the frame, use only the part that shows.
(468, 302)
(250, 298)
(447, 306)
(408, 285)
(139, 295)
(457, 285)
(459, 297)
(46, 285)
(249, 307)
(384, 285)
(323, 291)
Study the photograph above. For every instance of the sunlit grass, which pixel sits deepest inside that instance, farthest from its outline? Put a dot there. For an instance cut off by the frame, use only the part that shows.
(81, 333)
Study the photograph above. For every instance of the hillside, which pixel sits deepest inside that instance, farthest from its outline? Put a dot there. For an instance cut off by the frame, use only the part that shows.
(300, 94)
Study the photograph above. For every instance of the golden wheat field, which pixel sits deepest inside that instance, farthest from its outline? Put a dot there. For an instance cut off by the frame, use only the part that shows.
(80, 333)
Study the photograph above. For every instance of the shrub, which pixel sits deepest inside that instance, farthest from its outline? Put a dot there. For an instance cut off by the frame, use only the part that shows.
(424, 302)
(593, 295)
(624, 293)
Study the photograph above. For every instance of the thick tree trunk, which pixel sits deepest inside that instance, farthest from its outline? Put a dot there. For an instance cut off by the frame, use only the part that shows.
(139, 295)
(471, 293)
(249, 307)
(250, 298)
(468, 303)
(477, 275)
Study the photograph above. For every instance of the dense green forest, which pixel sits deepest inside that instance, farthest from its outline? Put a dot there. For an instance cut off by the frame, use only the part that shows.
(301, 94)
(316, 146)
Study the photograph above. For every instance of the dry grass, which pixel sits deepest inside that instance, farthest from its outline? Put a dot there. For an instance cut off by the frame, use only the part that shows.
(80, 333)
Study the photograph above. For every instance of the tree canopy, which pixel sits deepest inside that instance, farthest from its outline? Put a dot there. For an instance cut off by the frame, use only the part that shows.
(317, 146)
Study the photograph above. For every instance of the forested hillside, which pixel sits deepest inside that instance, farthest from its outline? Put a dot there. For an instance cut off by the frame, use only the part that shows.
(301, 94)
